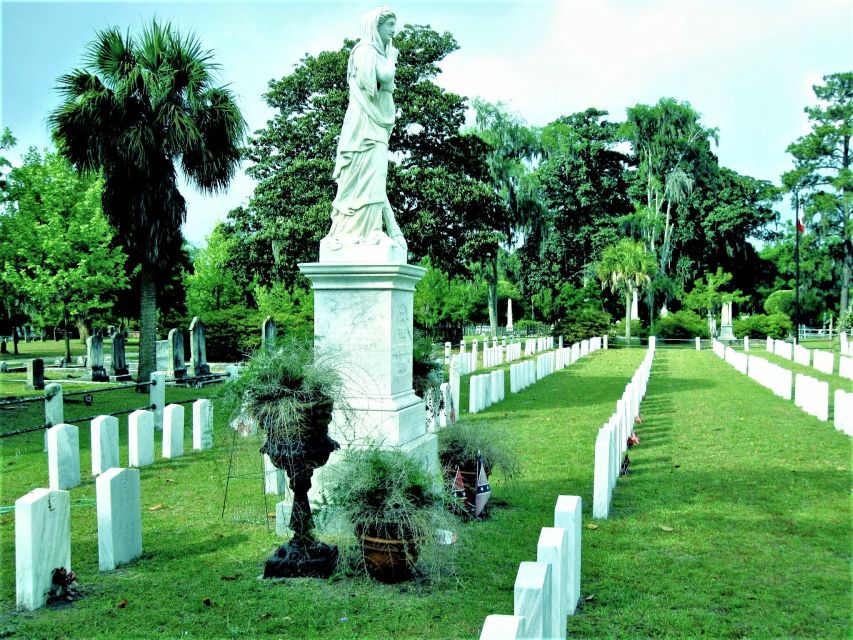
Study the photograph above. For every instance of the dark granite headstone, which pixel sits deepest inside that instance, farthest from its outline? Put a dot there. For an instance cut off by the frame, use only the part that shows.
(35, 374)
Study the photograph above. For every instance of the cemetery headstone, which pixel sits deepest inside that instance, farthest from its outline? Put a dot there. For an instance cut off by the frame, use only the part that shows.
(268, 332)
(274, 480)
(501, 627)
(202, 424)
(118, 363)
(163, 351)
(173, 431)
(95, 358)
(140, 438)
(198, 353)
(42, 543)
(553, 549)
(175, 366)
(3, 347)
(35, 373)
(532, 598)
(104, 430)
(63, 456)
(119, 517)
(567, 515)
(157, 398)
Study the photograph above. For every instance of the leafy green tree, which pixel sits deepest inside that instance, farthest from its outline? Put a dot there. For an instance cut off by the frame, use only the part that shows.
(709, 294)
(512, 147)
(212, 285)
(64, 261)
(434, 177)
(624, 268)
(140, 109)
(822, 174)
(818, 273)
(672, 149)
(584, 184)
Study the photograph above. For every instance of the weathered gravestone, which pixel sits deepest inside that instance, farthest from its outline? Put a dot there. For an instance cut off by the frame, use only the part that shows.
(198, 353)
(35, 374)
(95, 358)
(175, 364)
(268, 332)
(163, 357)
(118, 363)
(42, 543)
(3, 347)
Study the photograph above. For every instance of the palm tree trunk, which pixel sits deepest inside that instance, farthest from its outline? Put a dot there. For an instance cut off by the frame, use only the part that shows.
(629, 298)
(147, 325)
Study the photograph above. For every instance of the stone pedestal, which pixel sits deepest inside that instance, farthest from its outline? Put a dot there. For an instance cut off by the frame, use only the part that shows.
(363, 322)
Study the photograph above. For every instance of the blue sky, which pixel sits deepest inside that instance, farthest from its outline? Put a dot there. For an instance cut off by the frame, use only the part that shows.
(746, 65)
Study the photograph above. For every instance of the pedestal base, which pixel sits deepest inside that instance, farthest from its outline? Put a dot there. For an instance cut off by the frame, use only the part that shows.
(726, 333)
(290, 560)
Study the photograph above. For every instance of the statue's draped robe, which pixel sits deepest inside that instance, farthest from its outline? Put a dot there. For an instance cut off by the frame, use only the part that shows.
(361, 165)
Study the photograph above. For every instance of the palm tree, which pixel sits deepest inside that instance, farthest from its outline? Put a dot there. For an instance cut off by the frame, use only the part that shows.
(624, 268)
(512, 148)
(139, 107)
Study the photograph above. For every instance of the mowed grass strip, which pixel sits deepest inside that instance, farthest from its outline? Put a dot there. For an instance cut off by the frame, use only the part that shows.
(199, 575)
(757, 496)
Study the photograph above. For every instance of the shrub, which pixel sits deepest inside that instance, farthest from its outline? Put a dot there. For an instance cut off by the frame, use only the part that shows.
(584, 324)
(637, 329)
(780, 301)
(776, 325)
(231, 333)
(681, 324)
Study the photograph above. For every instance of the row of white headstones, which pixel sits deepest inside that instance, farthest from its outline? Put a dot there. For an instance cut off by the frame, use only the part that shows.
(809, 394)
(43, 516)
(547, 591)
(612, 440)
(820, 359)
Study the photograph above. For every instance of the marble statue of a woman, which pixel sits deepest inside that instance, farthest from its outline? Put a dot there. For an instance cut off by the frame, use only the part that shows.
(361, 205)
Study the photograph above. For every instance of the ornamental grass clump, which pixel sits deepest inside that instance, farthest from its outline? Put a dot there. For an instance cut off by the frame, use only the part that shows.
(288, 389)
(459, 445)
(394, 507)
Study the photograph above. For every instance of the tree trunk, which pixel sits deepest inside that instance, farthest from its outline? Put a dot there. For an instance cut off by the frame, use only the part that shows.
(15, 341)
(82, 328)
(492, 280)
(67, 334)
(629, 298)
(147, 326)
(846, 269)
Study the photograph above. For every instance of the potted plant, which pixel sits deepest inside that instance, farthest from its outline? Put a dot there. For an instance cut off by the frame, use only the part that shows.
(393, 506)
(290, 391)
(463, 447)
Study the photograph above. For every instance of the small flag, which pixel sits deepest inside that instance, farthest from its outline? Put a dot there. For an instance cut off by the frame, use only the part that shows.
(484, 491)
(459, 485)
(800, 226)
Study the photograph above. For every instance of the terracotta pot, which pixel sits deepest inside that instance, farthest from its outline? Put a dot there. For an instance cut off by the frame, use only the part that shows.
(389, 560)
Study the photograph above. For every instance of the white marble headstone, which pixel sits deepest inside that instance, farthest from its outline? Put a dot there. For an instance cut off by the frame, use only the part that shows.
(202, 424)
(140, 438)
(104, 432)
(119, 517)
(42, 543)
(63, 456)
(173, 431)
(532, 599)
(567, 515)
(553, 549)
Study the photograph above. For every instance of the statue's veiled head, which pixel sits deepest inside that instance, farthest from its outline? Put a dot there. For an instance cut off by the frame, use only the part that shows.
(379, 27)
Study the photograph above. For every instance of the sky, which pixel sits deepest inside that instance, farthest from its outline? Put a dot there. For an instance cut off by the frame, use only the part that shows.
(747, 66)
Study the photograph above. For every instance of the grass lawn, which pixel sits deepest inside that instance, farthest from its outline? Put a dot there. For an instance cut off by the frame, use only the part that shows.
(49, 350)
(757, 494)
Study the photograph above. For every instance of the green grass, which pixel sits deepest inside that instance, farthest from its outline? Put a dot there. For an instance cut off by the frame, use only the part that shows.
(756, 491)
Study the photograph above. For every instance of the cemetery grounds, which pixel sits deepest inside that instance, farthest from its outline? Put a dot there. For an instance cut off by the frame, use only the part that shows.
(734, 522)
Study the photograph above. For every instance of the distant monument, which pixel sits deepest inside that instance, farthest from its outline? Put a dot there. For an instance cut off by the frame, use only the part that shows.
(726, 332)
